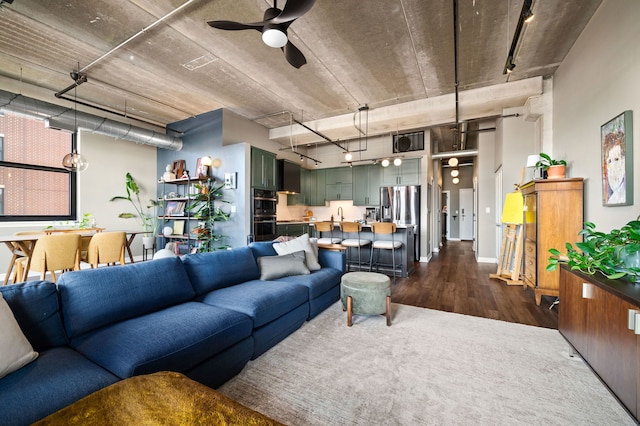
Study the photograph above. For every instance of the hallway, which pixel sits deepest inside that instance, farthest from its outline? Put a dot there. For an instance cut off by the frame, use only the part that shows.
(454, 282)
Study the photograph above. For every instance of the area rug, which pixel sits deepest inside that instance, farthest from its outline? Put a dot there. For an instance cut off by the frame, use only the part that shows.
(428, 368)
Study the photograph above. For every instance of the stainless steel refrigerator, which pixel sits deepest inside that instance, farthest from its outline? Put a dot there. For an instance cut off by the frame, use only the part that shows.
(401, 205)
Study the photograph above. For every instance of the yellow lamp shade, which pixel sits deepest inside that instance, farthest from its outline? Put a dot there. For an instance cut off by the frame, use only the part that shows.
(513, 209)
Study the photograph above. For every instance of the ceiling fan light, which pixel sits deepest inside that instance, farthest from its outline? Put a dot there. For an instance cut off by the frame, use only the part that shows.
(385, 163)
(274, 38)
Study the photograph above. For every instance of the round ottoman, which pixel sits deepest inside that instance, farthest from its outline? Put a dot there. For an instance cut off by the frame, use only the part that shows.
(366, 293)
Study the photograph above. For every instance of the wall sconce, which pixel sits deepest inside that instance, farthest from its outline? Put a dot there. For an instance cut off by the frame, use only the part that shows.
(453, 161)
(456, 181)
(216, 162)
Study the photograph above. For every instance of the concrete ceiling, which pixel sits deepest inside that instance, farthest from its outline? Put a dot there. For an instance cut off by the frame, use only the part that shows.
(392, 55)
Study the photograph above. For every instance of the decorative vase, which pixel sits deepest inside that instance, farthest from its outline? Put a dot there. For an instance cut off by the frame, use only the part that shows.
(556, 172)
(167, 231)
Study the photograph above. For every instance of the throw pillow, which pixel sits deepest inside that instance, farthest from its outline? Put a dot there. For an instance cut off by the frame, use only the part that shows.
(300, 243)
(15, 349)
(273, 267)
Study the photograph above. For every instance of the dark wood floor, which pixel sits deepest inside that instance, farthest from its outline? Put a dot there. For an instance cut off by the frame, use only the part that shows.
(454, 282)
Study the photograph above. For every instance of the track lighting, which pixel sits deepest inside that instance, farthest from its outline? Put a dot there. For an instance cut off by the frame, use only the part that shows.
(301, 158)
(510, 66)
(528, 16)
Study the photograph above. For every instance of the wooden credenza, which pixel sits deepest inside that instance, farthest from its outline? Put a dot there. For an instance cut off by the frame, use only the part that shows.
(600, 318)
(553, 216)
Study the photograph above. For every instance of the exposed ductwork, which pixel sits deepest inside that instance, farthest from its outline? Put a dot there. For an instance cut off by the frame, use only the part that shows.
(59, 117)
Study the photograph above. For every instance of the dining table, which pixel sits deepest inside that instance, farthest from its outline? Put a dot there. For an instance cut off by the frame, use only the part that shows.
(23, 245)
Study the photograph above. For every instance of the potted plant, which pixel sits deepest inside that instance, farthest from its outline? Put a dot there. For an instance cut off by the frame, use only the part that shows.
(556, 169)
(146, 216)
(208, 213)
(615, 254)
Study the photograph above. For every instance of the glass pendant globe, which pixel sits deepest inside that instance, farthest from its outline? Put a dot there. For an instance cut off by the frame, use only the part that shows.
(385, 163)
(75, 162)
(455, 173)
(348, 156)
(453, 161)
(456, 181)
(274, 38)
(397, 161)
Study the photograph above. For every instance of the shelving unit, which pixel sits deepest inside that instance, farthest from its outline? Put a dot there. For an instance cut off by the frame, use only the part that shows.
(183, 199)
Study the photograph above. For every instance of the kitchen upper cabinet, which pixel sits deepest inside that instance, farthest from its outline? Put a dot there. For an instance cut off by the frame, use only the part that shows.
(263, 169)
(305, 191)
(366, 185)
(339, 184)
(313, 187)
(408, 173)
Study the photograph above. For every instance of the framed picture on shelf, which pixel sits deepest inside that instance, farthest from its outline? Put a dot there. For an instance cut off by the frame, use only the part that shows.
(617, 160)
(174, 208)
(202, 167)
(178, 168)
(178, 227)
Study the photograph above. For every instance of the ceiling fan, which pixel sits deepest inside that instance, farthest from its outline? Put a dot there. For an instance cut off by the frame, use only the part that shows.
(274, 27)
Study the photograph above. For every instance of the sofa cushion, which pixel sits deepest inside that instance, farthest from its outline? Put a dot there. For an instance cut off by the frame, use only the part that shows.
(94, 298)
(59, 377)
(272, 267)
(36, 307)
(300, 243)
(263, 301)
(176, 338)
(219, 269)
(262, 248)
(15, 349)
(318, 282)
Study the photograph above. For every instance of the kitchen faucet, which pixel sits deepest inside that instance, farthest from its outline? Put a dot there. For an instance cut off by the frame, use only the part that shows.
(341, 214)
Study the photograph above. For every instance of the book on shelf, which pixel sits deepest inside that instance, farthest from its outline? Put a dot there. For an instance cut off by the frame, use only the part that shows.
(174, 208)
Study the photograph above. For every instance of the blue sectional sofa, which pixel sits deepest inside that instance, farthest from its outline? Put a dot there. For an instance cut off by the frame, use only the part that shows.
(205, 315)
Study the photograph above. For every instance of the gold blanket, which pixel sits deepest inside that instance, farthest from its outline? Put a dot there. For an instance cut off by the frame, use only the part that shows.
(164, 398)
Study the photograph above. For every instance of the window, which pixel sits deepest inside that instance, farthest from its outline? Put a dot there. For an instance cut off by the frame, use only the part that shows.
(33, 183)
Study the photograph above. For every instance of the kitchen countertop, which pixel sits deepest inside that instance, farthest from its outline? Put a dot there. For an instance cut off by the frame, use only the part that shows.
(368, 225)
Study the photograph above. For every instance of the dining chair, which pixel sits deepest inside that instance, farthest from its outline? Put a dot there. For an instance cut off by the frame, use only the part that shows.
(384, 228)
(16, 254)
(56, 252)
(106, 248)
(326, 227)
(348, 229)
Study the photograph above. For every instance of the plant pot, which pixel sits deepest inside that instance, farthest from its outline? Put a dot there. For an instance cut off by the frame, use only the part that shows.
(149, 242)
(556, 172)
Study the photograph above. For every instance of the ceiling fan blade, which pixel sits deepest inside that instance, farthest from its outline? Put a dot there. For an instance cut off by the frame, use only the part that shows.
(294, 55)
(236, 26)
(293, 9)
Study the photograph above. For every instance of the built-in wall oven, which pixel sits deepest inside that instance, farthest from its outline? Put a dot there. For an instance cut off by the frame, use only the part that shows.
(264, 214)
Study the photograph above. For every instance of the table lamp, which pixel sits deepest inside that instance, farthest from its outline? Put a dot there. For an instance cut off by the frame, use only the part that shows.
(532, 160)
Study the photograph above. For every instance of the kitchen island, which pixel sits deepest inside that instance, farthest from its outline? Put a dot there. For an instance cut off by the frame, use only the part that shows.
(405, 255)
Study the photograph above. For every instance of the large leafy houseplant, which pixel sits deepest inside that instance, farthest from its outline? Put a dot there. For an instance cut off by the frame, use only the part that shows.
(208, 213)
(146, 216)
(546, 161)
(615, 254)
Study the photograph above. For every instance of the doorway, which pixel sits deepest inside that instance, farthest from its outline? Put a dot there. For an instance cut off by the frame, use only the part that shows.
(466, 213)
(446, 222)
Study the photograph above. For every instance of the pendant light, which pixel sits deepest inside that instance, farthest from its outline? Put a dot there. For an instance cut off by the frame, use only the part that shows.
(74, 162)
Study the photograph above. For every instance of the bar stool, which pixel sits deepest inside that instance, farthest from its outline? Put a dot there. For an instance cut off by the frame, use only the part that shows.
(352, 228)
(384, 228)
(326, 227)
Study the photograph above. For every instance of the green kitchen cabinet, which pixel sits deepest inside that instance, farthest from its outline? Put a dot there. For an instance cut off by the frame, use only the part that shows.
(366, 185)
(263, 169)
(339, 184)
(408, 173)
(316, 184)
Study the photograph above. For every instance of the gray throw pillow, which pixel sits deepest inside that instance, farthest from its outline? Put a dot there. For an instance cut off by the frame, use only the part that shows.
(273, 267)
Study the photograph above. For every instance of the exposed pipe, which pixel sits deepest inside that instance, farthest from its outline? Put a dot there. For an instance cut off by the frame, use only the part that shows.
(69, 119)
(465, 153)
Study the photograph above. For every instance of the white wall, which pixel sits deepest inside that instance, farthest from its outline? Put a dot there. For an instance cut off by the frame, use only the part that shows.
(597, 81)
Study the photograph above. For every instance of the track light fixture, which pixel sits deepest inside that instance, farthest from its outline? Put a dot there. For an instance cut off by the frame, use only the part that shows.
(526, 15)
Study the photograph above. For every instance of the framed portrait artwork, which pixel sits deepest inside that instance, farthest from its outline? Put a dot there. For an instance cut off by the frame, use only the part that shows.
(617, 160)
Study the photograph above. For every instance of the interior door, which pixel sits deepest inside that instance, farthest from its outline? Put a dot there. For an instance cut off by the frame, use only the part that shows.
(466, 213)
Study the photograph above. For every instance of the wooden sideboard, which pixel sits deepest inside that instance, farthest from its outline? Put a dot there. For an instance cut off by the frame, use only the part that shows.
(600, 318)
(553, 216)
